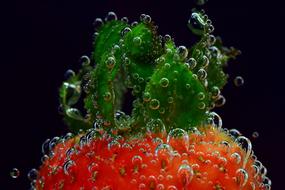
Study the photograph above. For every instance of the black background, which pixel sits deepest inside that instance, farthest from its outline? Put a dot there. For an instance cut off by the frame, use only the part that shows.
(42, 39)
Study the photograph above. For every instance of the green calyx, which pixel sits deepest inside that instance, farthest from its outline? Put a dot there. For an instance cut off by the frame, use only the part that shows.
(172, 85)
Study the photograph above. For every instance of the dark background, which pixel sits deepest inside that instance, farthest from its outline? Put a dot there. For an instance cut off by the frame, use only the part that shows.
(42, 39)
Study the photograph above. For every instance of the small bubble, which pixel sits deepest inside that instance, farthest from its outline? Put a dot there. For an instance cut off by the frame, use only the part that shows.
(137, 160)
(185, 174)
(111, 16)
(215, 52)
(74, 113)
(134, 23)
(98, 22)
(242, 177)
(67, 165)
(178, 136)
(215, 92)
(14, 173)
(110, 62)
(188, 86)
(164, 82)
(211, 40)
(69, 74)
(125, 31)
(236, 157)
(221, 100)
(170, 100)
(146, 19)
(142, 16)
(156, 126)
(125, 19)
(255, 134)
(238, 81)
(201, 96)
(107, 96)
(146, 96)
(201, 105)
(192, 63)
(205, 61)
(33, 174)
(137, 41)
(164, 151)
(154, 104)
(202, 74)
(216, 120)
(167, 38)
(182, 52)
(84, 60)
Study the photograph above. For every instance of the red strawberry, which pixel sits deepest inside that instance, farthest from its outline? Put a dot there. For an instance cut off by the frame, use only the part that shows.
(210, 159)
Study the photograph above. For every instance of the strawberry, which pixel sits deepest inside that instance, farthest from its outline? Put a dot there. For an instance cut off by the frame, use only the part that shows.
(210, 158)
(158, 146)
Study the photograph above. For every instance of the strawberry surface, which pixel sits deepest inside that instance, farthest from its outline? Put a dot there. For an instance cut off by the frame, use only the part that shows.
(207, 159)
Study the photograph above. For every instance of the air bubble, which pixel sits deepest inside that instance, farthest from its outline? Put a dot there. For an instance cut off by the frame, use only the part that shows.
(156, 126)
(125, 31)
(170, 100)
(211, 40)
(33, 174)
(201, 105)
(215, 92)
(133, 24)
(66, 166)
(221, 100)
(137, 160)
(110, 62)
(255, 134)
(172, 187)
(201, 96)
(137, 41)
(196, 23)
(182, 52)
(205, 62)
(84, 60)
(111, 16)
(107, 96)
(74, 113)
(72, 93)
(45, 146)
(54, 141)
(236, 157)
(202, 74)
(192, 63)
(154, 104)
(242, 177)
(185, 174)
(216, 120)
(238, 81)
(125, 19)
(98, 22)
(69, 74)
(176, 136)
(146, 97)
(164, 82)
(152, 181)
(146, 19)
(15, 173)
(247, 146)
(165, 153)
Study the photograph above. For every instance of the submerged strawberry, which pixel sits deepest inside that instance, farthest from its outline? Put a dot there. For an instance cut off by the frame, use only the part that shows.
(158, 146)
(209, 159)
